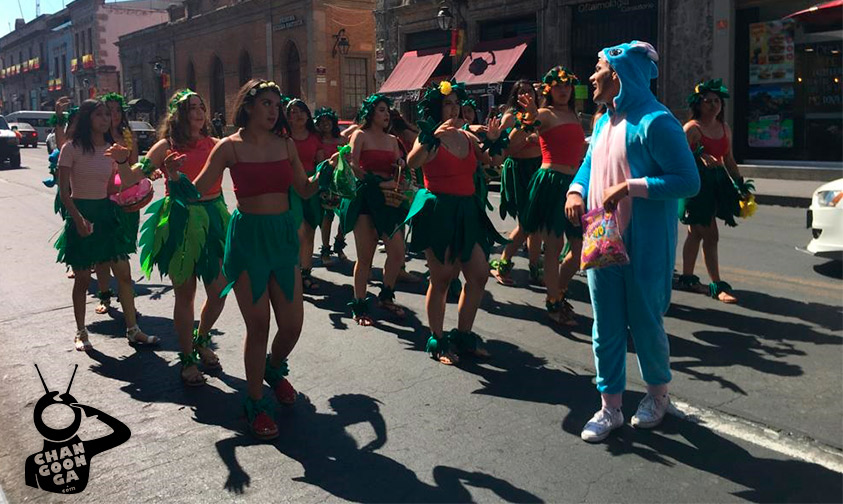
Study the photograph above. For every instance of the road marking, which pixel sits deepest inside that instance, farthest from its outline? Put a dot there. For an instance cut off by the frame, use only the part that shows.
(783, 442)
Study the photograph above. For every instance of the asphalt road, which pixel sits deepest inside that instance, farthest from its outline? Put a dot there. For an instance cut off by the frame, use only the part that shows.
(378, 421)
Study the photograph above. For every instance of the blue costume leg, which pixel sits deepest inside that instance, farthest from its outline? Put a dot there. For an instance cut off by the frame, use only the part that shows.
(645, 312)
(609, 332)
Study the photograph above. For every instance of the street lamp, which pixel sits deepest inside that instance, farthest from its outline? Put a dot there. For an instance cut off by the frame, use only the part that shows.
(445, 19)
(341, 44)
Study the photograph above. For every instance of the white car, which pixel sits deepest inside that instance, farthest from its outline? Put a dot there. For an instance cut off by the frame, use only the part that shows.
(825, 218)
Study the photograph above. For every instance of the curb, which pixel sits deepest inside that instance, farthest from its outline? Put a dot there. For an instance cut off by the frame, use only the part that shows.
(781, 200)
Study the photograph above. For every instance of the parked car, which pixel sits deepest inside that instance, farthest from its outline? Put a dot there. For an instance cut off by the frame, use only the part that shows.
(825, 219)
(29, 137)
(9, 148)
(38, 119)
(145, 134)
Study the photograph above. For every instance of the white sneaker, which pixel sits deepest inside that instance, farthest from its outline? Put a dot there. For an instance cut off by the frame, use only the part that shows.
(601, 425)
(651, 411)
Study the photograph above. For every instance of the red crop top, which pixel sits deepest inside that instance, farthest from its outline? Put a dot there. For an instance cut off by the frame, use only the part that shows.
(379, 162)
(195, 157)
(330, 149)
(563, 145)
(717, 147)
(253, 179)
(307, 150)
(448, 174)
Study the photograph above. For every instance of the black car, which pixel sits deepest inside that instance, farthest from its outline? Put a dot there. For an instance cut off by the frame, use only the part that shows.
(29, 137)
(9, 145)
(145, 134)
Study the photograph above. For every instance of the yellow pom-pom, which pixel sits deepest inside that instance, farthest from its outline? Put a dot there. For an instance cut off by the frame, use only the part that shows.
(697, 89)
(748, 207)
(445, 88)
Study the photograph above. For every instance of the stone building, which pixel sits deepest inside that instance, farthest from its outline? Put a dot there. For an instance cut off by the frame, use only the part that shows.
(321, 51)
(71, 52)
(760, 48)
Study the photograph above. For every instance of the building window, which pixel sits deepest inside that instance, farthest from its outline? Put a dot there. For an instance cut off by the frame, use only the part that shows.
(90, 42)
(78, 54)
(245, 67)
(292, 74)
(354, 85)
(191, 76)
(217, 87)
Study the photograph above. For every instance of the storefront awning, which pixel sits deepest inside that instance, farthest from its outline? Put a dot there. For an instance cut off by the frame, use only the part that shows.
(413, 70)
(492, 60)
(820, 14)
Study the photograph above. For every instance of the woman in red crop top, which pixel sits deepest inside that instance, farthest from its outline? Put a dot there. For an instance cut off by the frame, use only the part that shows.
(562, 143)
(708, 131)
(522, 161)
(311, 152)
(262, 246)
(92, 234)
(327, 124)
(375, 158)
(448, 220)
(194, 232)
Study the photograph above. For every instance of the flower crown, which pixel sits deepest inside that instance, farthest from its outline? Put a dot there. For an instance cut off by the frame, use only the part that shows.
(325, 112)
(367, 108)
(558, 75)
(179, 97)
(264, 85)
(471, 102)
(434, 95)
(115, 97)
(710, 86)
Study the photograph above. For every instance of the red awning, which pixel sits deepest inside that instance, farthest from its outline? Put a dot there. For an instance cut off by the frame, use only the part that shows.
(491, 61)
(820, 14)
(413, 70)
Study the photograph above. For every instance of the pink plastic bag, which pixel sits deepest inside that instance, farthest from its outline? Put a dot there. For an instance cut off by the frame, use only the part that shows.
(602, 243)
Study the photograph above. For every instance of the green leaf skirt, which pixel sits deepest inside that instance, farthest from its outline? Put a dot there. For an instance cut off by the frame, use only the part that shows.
(370, 201)
(307, 210)
(515, 184)
(262, 245)
(184, 240)
(545, 207)
(450, 226)
(108, 242)
(718, 197)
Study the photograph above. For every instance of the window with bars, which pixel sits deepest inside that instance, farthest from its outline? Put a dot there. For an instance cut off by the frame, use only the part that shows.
(355, 80)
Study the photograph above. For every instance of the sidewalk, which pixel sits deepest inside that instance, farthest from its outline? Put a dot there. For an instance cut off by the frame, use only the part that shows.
(789, 193)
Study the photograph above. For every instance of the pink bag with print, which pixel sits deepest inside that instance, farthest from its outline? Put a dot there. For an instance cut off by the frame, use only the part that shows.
(602, 243)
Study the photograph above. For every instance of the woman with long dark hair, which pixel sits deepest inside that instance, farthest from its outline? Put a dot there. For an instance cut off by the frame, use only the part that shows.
(262, 247)
(327, 124)
(375, 158)
(311, 152)
(523, 159)
(448, 220)
(562, 143)
(711, 140)
(93, 233)
(187, 242)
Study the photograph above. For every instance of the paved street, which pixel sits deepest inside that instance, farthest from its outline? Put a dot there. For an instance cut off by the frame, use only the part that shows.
(377, 420)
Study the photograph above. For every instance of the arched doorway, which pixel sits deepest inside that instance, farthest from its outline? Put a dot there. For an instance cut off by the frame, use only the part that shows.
(191, 76)
(245, 67)
(292, 71)
(217, 87)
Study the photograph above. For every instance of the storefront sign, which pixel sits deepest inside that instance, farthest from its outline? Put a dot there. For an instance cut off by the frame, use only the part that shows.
(771, 116)
(771, 56)
(287, 22)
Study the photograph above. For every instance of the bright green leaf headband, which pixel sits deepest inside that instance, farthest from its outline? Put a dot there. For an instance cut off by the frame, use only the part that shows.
(179, 97)
(367, 108)
(710, 86)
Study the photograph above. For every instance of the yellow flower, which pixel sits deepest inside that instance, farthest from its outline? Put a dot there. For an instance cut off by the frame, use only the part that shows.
(445, 88)
(546, 89)
(697, 89)
(748, 207)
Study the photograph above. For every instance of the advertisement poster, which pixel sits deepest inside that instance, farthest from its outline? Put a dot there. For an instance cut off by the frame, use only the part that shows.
(771, 53)
(771, 116)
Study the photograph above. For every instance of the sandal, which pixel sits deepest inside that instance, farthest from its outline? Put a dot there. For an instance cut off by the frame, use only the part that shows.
(691, 283)
(558, 314)
(307, 281)
(202, 346)
(360, 312)
(81, 341)
(275, 377)
(722, 291)
(339, 245)
(406, 276)
(138, 337)
(439, 349)
(386, 300)
(71, 274)
(261, 423)
(325, 255)
(190, 374)
(468, 343)
(105, 302)
(536, 275)
(501, 269)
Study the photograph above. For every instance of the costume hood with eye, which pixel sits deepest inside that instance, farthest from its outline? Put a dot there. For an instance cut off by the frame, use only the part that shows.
(635, 64)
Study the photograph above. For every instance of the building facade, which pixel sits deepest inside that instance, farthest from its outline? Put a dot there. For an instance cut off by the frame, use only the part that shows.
(321, 51)
(71, 52)
(763, 50)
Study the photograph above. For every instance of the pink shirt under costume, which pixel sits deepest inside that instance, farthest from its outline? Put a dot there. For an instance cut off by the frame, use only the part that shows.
(90, 172)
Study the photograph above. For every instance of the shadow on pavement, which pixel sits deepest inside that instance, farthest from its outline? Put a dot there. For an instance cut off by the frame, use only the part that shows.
(827, 316)
(831, 269)
(333, 461)
(534, 314)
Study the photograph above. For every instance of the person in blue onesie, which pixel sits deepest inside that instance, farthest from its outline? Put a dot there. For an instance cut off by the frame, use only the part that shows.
(638, 165)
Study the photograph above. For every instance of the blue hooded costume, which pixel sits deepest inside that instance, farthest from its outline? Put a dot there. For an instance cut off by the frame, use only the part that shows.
(642, 143)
